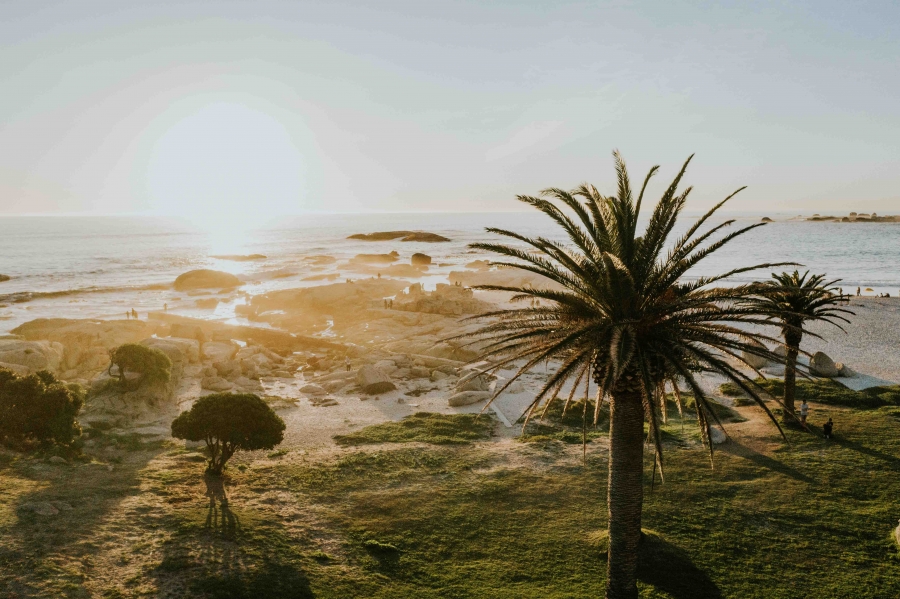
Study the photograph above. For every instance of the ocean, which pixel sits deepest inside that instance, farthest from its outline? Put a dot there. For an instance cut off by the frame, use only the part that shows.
(100, 267)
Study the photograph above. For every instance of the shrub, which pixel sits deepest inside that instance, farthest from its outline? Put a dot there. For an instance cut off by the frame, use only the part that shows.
(229, 422)
(827, 391)
(38, 408)
(152, 365)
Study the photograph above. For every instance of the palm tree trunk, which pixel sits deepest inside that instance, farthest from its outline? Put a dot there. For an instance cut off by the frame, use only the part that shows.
(792, 340)
(625, 493)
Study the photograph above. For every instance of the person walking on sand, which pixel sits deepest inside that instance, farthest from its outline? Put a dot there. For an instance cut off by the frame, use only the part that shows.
(827, 427)
(857, 292)
(165, 307)
(804, 412)
(134, 314)
(347, 363)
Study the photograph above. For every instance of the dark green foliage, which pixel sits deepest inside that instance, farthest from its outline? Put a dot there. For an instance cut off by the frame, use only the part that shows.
(38, 409)
(152, 365)
(424, 427)
(828, 392)
(229, 422)
(379, 547)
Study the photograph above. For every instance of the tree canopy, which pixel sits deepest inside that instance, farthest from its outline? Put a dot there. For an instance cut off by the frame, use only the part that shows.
(229, 422)
(38, 408)
(152, 365)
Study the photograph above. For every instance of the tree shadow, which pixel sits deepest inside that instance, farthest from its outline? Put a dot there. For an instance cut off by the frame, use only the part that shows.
(763, 461)
(219, 517)
(863, 449)
(669, 569)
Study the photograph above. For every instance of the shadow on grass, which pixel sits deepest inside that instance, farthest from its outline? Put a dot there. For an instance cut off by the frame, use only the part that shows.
(271, 580)
(763, 461)
(669, 569)
(892, 461)
(219, 517)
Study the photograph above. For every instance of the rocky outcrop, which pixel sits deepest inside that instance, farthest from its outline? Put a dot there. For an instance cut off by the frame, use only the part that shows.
(418, 259)
(375, 258)
(821, 365)
(476, 382)
(206, 279)
(450, 300)
(373, 381)
(33, 355)
(401, 235)
(465, 398)
(753, 360)
(4, 278)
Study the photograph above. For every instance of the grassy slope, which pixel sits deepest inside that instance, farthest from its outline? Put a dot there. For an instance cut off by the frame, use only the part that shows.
(489, 519)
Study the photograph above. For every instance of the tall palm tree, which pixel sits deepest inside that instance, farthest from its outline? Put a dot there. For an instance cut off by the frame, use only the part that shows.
(795, 300)
(618, 312)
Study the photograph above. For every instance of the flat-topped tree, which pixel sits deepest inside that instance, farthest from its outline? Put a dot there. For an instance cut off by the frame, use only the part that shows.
(621, 314)
(794, 300)
(229, 422)
(151, 365)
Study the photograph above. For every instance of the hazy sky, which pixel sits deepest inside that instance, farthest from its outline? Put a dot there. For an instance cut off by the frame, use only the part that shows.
(188, 107)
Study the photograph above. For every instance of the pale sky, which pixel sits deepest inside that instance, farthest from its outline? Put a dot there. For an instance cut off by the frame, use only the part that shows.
(183, 107)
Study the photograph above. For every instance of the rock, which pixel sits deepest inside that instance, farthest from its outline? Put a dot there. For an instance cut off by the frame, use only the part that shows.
(401, 235)
(466, 398)
(766, 219)
(844, 370)
(437, 375)
(374, 258)
(206, 279)
(35, 355)
(248, 385)
(207, 303)
(214, 383)
(41, 508)
(312, 390)
(228, 369)
(753, 360)
(57, 460)
(4, 278)
(217, 351)
(386, 366)
(780, 351)
(418, 259)
(821, 365)
(373, 381)
(479, 382)
(419, 372)
(16, 368)
(334, 386)
(282, 374)
(716, 436)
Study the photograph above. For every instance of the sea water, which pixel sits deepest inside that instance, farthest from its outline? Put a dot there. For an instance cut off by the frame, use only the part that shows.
(101, 267)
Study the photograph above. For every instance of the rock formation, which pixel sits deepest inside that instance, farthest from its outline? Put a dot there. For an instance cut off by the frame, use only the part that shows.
(821, 365)
(401, 235)
(206, 279)
(241, 258)
(4, 278)
(420, 259)
(451, 300)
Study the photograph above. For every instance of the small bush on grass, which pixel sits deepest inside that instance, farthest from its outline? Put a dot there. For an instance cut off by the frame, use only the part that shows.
(425, 427)
(38, 409)
(229, 422)
(827, 391)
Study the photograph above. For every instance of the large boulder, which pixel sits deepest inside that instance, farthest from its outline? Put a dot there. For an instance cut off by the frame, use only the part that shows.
(219, 351)
(478, 382)
(206, 279)
(215, 383)
(420, 259)
(312, 389)
(4, 278)
(753, 360)
(821, 365)
(373, 381)
(465, 398)
(34, 355)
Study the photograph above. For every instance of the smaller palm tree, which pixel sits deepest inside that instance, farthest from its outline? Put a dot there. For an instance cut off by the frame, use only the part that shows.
(795, 300)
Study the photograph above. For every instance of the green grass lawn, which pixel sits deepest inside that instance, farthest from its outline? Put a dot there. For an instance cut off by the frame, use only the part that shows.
(473, 518)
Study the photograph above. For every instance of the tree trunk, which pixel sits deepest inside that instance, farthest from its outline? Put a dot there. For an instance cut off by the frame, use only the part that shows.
(625, 493)
(792, 340)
